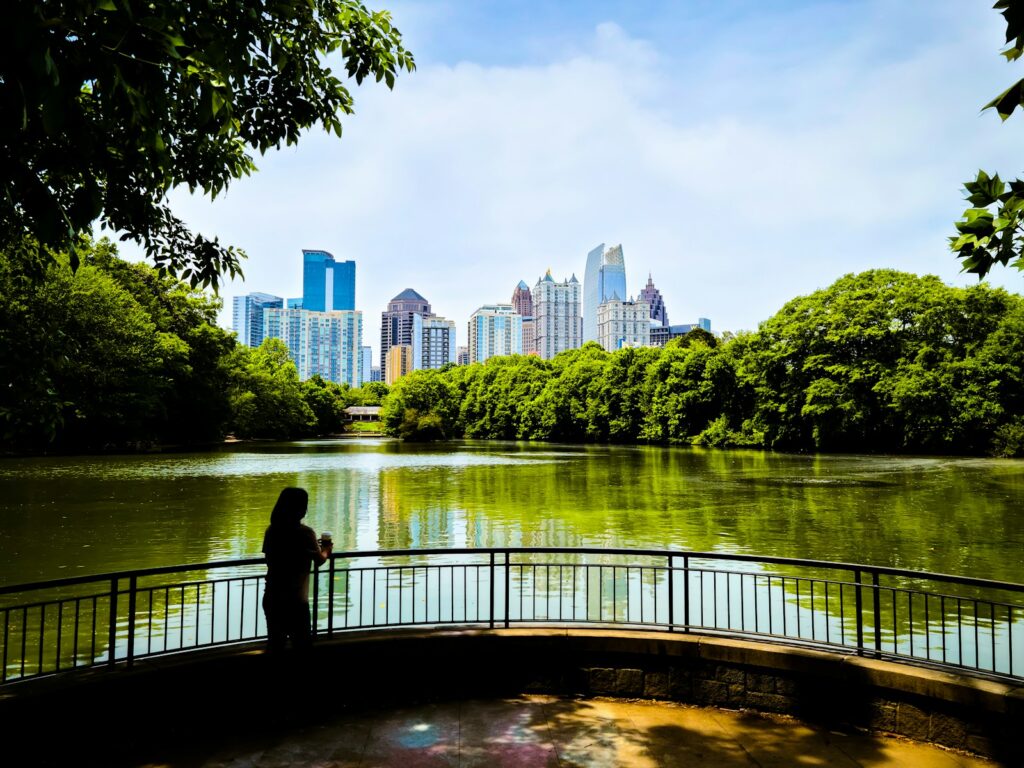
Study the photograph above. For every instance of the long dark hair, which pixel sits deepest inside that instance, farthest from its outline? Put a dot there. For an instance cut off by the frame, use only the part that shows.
(290, 507)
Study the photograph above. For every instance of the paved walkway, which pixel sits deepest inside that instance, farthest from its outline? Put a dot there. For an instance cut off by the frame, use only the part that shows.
(551, 731)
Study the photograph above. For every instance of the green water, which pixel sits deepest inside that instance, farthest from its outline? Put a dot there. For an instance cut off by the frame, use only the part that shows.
(69, 516)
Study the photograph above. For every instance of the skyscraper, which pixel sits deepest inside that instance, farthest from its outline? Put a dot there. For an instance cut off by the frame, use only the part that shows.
(247, 316)
(522, 300)
(396, 322)
(623, 324)
(433, 342)
(324, 343)
(495, 329)
(558, 324)
(366, 357)
(604, 279)
(652, 296)
(327, 285)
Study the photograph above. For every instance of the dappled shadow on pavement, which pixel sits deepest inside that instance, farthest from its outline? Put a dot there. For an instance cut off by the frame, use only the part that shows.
(553, 731)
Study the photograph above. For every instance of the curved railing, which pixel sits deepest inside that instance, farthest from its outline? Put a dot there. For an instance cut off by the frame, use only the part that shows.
(948, 621)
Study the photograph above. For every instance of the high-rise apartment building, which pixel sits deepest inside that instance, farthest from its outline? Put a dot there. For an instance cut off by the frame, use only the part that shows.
(558, 322)
(247, 316)
(623, 324)
(433, 342)
(398, 362)
(462, 355)
(652, 296)
(495, 329)
(327, 285)
(397, 323)
(324, 343)
(604, 279)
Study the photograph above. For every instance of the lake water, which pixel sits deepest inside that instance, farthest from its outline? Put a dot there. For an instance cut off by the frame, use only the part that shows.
(71, 516)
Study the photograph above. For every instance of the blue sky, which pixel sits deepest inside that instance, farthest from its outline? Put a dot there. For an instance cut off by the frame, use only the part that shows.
(742, 152)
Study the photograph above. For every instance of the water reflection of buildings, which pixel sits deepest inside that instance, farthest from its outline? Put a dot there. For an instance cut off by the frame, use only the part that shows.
(414, 515)
(338, 503)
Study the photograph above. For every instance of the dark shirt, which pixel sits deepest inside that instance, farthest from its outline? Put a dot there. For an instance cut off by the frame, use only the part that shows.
(290, 552)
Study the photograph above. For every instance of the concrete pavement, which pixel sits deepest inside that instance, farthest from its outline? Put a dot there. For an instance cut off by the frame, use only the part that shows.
(554, 731)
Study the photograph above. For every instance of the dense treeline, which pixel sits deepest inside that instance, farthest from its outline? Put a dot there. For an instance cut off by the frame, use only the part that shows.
(116, 356)
(881, 361)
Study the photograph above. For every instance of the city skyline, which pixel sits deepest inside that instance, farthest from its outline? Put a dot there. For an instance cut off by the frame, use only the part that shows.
(820, 137)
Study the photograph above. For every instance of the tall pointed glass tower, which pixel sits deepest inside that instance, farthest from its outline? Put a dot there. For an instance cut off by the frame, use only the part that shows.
(604, 279)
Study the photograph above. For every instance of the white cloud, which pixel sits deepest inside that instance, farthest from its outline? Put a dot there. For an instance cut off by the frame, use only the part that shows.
(739, 185)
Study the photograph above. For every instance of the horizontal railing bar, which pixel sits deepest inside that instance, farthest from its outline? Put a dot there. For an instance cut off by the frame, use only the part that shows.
(484, 552)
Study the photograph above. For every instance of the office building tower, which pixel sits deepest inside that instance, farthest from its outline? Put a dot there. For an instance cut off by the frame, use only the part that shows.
(623, 324)
(462, 356)
(652, 296)
(704, 323)
(396, 322)
(375, 374)
(558, 322)
(327, 285)
(433, 342)
(398, 362)
(495, 329)
(522, 300)
(324, 343)
(366, 357)
(604, 279)
(247, 316)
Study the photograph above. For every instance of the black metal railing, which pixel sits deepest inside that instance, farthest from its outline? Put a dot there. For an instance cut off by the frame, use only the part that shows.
(949, 621)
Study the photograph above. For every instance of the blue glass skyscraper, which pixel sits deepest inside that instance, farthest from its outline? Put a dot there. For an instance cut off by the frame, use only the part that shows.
(327, 284)
(604, 279)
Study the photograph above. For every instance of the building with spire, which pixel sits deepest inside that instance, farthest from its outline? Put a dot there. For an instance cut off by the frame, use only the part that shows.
(604, 279)
(558, 318)
(652, 296)
(522, 302)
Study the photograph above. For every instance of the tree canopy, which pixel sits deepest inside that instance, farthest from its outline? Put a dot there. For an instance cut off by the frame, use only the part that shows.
(991, 230)
(881, 361)
(107, 105)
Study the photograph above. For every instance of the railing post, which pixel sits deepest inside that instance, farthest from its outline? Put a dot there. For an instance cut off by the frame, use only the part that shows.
(686, 593)
(315, 613)
(492, 590)
(132, 584)
(671, 597)
(876, 596)
(508, 568)
(860, 612)
(112, 629)
(330, 594)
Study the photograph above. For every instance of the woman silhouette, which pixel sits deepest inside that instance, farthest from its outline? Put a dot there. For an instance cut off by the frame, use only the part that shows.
(289, 547)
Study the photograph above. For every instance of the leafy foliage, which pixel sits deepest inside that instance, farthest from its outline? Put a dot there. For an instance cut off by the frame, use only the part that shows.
(107, 105)
(880, 361)
(990, 231)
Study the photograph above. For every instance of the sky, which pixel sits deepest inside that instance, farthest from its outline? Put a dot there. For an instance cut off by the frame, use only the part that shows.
(743, 152)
